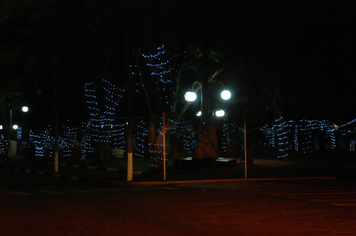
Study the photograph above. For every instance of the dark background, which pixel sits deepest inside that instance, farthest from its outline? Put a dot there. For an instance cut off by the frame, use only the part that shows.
(290, 58)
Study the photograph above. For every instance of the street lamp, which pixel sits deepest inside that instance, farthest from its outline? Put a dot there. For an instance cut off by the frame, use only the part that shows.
(191, 96)
(24, 109)
(207, 128)
(13, 144)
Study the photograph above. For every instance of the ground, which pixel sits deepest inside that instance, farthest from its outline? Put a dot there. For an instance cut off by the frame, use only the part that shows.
(96, 210)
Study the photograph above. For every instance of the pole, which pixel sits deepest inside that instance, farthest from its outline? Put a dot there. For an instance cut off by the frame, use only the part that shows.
(10, 133)
(205, 103)
(245, 144)
(201, 104)
(128, 46)
(164, 146)
(55, 124)
(129, 134)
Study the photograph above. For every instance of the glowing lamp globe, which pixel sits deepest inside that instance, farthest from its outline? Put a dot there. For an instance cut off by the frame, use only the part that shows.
(226, 94)
(25, 109)
(220, 113)
(190, 96)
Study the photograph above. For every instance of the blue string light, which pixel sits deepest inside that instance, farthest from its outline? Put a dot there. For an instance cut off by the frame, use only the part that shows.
(164, 73)
(303, 134)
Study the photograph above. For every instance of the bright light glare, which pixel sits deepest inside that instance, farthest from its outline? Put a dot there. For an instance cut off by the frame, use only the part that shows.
(199, 113)
(25, 109)
(190, 96)
(15, 126)
(226, 94)
(220, 113)
(1, 127)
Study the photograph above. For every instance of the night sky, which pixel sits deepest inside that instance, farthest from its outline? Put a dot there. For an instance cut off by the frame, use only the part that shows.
(298, 56)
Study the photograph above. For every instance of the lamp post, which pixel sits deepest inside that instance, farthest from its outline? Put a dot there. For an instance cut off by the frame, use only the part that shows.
(191, 96)
(13, 144)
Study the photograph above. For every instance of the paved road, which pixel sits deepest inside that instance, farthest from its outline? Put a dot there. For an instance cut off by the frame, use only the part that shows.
(37, 205)
(335, 193)
(324, 191)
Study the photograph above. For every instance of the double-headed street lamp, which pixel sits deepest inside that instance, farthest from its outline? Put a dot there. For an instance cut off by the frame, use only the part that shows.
(13, 144)
(191, 96)
(14, 126)
(208, 131)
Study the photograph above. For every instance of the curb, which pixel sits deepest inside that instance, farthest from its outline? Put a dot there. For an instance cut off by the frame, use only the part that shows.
(158, 183)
